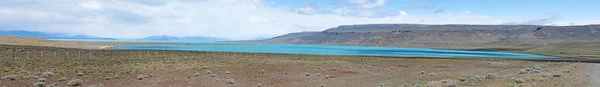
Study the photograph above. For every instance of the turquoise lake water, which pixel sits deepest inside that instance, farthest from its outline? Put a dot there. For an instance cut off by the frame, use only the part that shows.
(319, 49)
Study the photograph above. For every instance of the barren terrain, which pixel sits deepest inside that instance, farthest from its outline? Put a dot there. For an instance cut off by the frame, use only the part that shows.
(22, 65)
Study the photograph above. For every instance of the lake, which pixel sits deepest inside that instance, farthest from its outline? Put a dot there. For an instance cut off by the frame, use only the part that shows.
(318, 49)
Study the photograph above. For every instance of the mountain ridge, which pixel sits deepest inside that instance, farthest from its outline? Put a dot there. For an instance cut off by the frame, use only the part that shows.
(44, 35)
(469, 37)
(166, 37)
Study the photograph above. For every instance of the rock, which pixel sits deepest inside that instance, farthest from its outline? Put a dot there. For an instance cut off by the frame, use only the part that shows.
(229, 81)
(47, 74)
(491, 76)
(380, 85)
(107, 71)
(259, 85)
(75, 82)
(307, 74)
(205, 67)
(107, 78)
(227, 72)
(555, 75)
(327, 77)
(197, 74)
(261, 71)
(92, 86)
(318, 74)
(38, 84)
(422, 72)
(207, 72)
(551, 75)
(140, 77)
(80, 74)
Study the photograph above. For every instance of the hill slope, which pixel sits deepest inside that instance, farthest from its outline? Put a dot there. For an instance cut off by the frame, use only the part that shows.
(470, 37)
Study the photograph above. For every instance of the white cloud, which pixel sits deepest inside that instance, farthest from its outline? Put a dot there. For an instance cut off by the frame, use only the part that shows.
(91, 5)
(366, 4)
(235, 19)
(403, 13)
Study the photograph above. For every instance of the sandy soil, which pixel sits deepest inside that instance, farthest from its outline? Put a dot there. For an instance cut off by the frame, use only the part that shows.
(187, 68)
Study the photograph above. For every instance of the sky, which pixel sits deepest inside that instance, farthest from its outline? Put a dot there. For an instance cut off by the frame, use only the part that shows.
(251, 19)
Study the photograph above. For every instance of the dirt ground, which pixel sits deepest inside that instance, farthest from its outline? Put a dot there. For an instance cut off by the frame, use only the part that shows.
(121, 68)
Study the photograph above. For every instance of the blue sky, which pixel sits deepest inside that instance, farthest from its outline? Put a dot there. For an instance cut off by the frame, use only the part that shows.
(248, 19)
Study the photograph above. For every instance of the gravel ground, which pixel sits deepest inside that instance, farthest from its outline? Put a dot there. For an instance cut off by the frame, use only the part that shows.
(594, 75)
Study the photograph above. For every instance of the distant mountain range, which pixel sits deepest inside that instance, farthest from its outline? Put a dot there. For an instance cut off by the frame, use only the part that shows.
(478, 37)
(43, 35)
(192, 38)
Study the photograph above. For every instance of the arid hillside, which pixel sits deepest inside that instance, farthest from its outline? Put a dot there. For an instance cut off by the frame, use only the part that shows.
(559, 40)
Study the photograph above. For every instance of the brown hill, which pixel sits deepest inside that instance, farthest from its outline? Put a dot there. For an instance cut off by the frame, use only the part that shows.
(529, 38)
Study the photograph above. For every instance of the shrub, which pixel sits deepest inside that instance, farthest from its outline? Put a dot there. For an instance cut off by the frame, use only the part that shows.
(10, 77)
(61, 79)
(38, 84)
(47, 74)
(519, 81)
(25, 77)
(541, 67)
(75, 82)
(42, 80)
